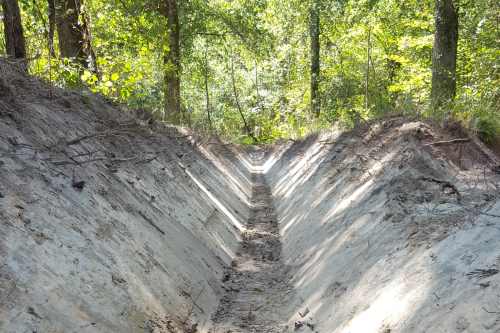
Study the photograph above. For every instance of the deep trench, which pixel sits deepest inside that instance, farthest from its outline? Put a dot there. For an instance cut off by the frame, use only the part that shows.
(109, 223)
(257, 283)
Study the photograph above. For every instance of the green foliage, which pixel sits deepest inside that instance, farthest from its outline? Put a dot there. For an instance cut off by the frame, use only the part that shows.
(488, 127)
(268, 41)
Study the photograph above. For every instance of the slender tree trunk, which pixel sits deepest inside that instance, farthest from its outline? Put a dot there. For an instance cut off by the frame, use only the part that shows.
(315, 61)
(89, 50)
(52, 26)
(257, 80)
(237, 101)
(207, 93)
(13, 30)
(367, 75)
(444, 53)
(172, 62)
(73, 32)
(260, 100)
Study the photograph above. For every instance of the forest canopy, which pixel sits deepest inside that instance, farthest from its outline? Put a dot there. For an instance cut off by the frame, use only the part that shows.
(261, 70)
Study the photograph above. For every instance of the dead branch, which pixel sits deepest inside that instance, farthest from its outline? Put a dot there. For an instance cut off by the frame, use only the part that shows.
(179, 136)
(193, 300)
(488, 214)
(447, 142)
(477, 211)
(482, 273)
(95, 135)
(493, 312)
(97, 159)
(147, 160)
(124, 159)
(196, 299)
(150, 221)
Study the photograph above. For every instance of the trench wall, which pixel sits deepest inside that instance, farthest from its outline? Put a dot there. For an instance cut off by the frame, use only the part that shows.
(140, 244)
(372, 246)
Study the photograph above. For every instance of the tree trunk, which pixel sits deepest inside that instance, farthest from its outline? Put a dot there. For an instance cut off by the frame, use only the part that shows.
(72, 29)
(13, 30)
(172, 62)
(237, 101)
(315, 62)
(444, 54)
(367, 74)
(257, 93)
(52, 26)
(207, 93)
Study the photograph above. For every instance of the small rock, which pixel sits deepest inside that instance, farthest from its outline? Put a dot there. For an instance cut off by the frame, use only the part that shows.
(485, 284)
(117, 279)
(111, 168)
(32, 312)
(299, 324)
(78, 185)
(226, 277)
(1, 195)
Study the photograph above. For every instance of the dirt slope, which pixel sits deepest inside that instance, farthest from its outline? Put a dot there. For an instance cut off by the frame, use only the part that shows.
(112, 223)
(107, 223)
(388, 229)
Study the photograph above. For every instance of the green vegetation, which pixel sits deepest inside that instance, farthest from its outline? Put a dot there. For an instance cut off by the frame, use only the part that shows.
(249, 62)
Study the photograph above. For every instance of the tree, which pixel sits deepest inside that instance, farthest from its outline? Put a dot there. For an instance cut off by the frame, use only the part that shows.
(206, 69)
(315, 61)
(172, 62)
(73, 32)
(52, 25)
(13, 30)
(365, 59)
(237, 101)
(444, 53)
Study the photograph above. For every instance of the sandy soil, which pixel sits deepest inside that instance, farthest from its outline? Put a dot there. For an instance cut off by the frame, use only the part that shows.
(257, 283)
(387, 230)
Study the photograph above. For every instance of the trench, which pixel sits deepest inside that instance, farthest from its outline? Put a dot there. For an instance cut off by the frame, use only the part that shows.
(343, 233)
(257, 282)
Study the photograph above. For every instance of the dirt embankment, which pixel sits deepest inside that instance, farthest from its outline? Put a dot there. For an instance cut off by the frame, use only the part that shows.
(109, 223)
(391, 228)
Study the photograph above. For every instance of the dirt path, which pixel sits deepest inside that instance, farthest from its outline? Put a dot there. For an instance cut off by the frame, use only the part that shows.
(257, 283)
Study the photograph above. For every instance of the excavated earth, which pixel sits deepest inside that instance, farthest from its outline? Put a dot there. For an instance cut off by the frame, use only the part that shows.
(112, 222)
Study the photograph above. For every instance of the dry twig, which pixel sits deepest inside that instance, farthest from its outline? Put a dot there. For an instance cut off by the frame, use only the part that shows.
(447, 142)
